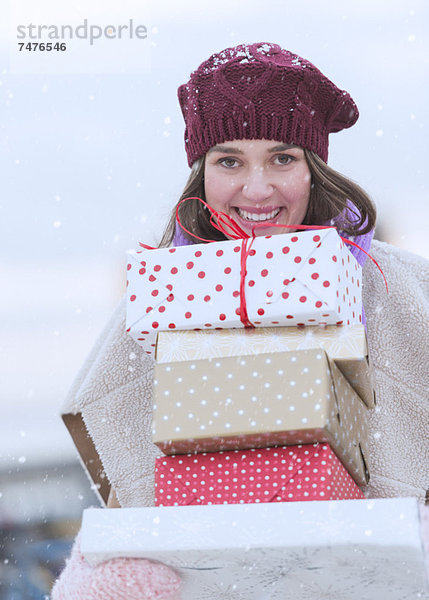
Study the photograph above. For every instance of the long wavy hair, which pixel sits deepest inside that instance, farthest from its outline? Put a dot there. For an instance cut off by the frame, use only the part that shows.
(330, 194)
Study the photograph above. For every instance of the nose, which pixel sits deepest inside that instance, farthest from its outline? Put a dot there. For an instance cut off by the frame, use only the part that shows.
(257, 187)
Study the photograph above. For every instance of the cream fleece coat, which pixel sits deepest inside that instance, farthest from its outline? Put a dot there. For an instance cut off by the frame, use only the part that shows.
(113, 389)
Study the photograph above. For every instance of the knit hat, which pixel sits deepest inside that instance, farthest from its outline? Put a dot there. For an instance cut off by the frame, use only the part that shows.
(260, 91)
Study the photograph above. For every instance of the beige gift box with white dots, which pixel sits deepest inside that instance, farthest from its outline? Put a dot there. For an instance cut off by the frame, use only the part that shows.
(269, 399)
(346, 345)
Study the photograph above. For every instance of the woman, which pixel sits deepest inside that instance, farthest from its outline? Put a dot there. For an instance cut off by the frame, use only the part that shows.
(257, 124)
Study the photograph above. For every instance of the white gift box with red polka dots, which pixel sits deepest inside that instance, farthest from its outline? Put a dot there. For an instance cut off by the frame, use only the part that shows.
(257, 401)
(337, 550)
(279, 474)
(288, 279)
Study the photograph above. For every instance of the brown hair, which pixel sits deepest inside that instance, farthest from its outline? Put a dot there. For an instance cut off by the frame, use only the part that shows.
(330, 194)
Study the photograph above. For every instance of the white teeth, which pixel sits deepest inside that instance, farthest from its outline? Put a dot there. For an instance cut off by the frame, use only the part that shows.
(258, 217)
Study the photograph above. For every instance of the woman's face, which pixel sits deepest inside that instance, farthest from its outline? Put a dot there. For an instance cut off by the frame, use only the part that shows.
(258, 182)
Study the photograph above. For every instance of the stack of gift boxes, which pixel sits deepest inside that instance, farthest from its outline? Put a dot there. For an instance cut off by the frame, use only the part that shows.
(262, 382)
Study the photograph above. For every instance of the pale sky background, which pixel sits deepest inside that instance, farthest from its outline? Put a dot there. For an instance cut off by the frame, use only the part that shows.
(93, 160)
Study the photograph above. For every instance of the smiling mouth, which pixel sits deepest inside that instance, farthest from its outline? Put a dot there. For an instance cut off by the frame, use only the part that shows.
(257, 217)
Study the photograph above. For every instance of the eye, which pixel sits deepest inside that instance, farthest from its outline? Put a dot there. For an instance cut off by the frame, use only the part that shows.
(229, 160)
(284, 159)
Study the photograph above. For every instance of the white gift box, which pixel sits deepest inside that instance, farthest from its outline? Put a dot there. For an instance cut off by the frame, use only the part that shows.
(304, 278)
(347, 549)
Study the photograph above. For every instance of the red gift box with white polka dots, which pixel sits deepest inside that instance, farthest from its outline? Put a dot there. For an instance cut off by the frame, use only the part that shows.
(304, 278)
(277, 474)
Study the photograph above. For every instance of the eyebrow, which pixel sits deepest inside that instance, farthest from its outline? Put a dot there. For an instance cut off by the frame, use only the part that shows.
(232, 150)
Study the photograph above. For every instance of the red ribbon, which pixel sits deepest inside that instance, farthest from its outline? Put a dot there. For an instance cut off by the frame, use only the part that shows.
(221, 221)
(221, 218)
(238, 233)
(245, 251)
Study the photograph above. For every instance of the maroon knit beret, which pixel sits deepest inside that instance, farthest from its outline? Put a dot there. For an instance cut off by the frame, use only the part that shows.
(260, 91)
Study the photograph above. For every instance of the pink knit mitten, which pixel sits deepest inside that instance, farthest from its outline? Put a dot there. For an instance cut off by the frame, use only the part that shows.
(115, 579)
